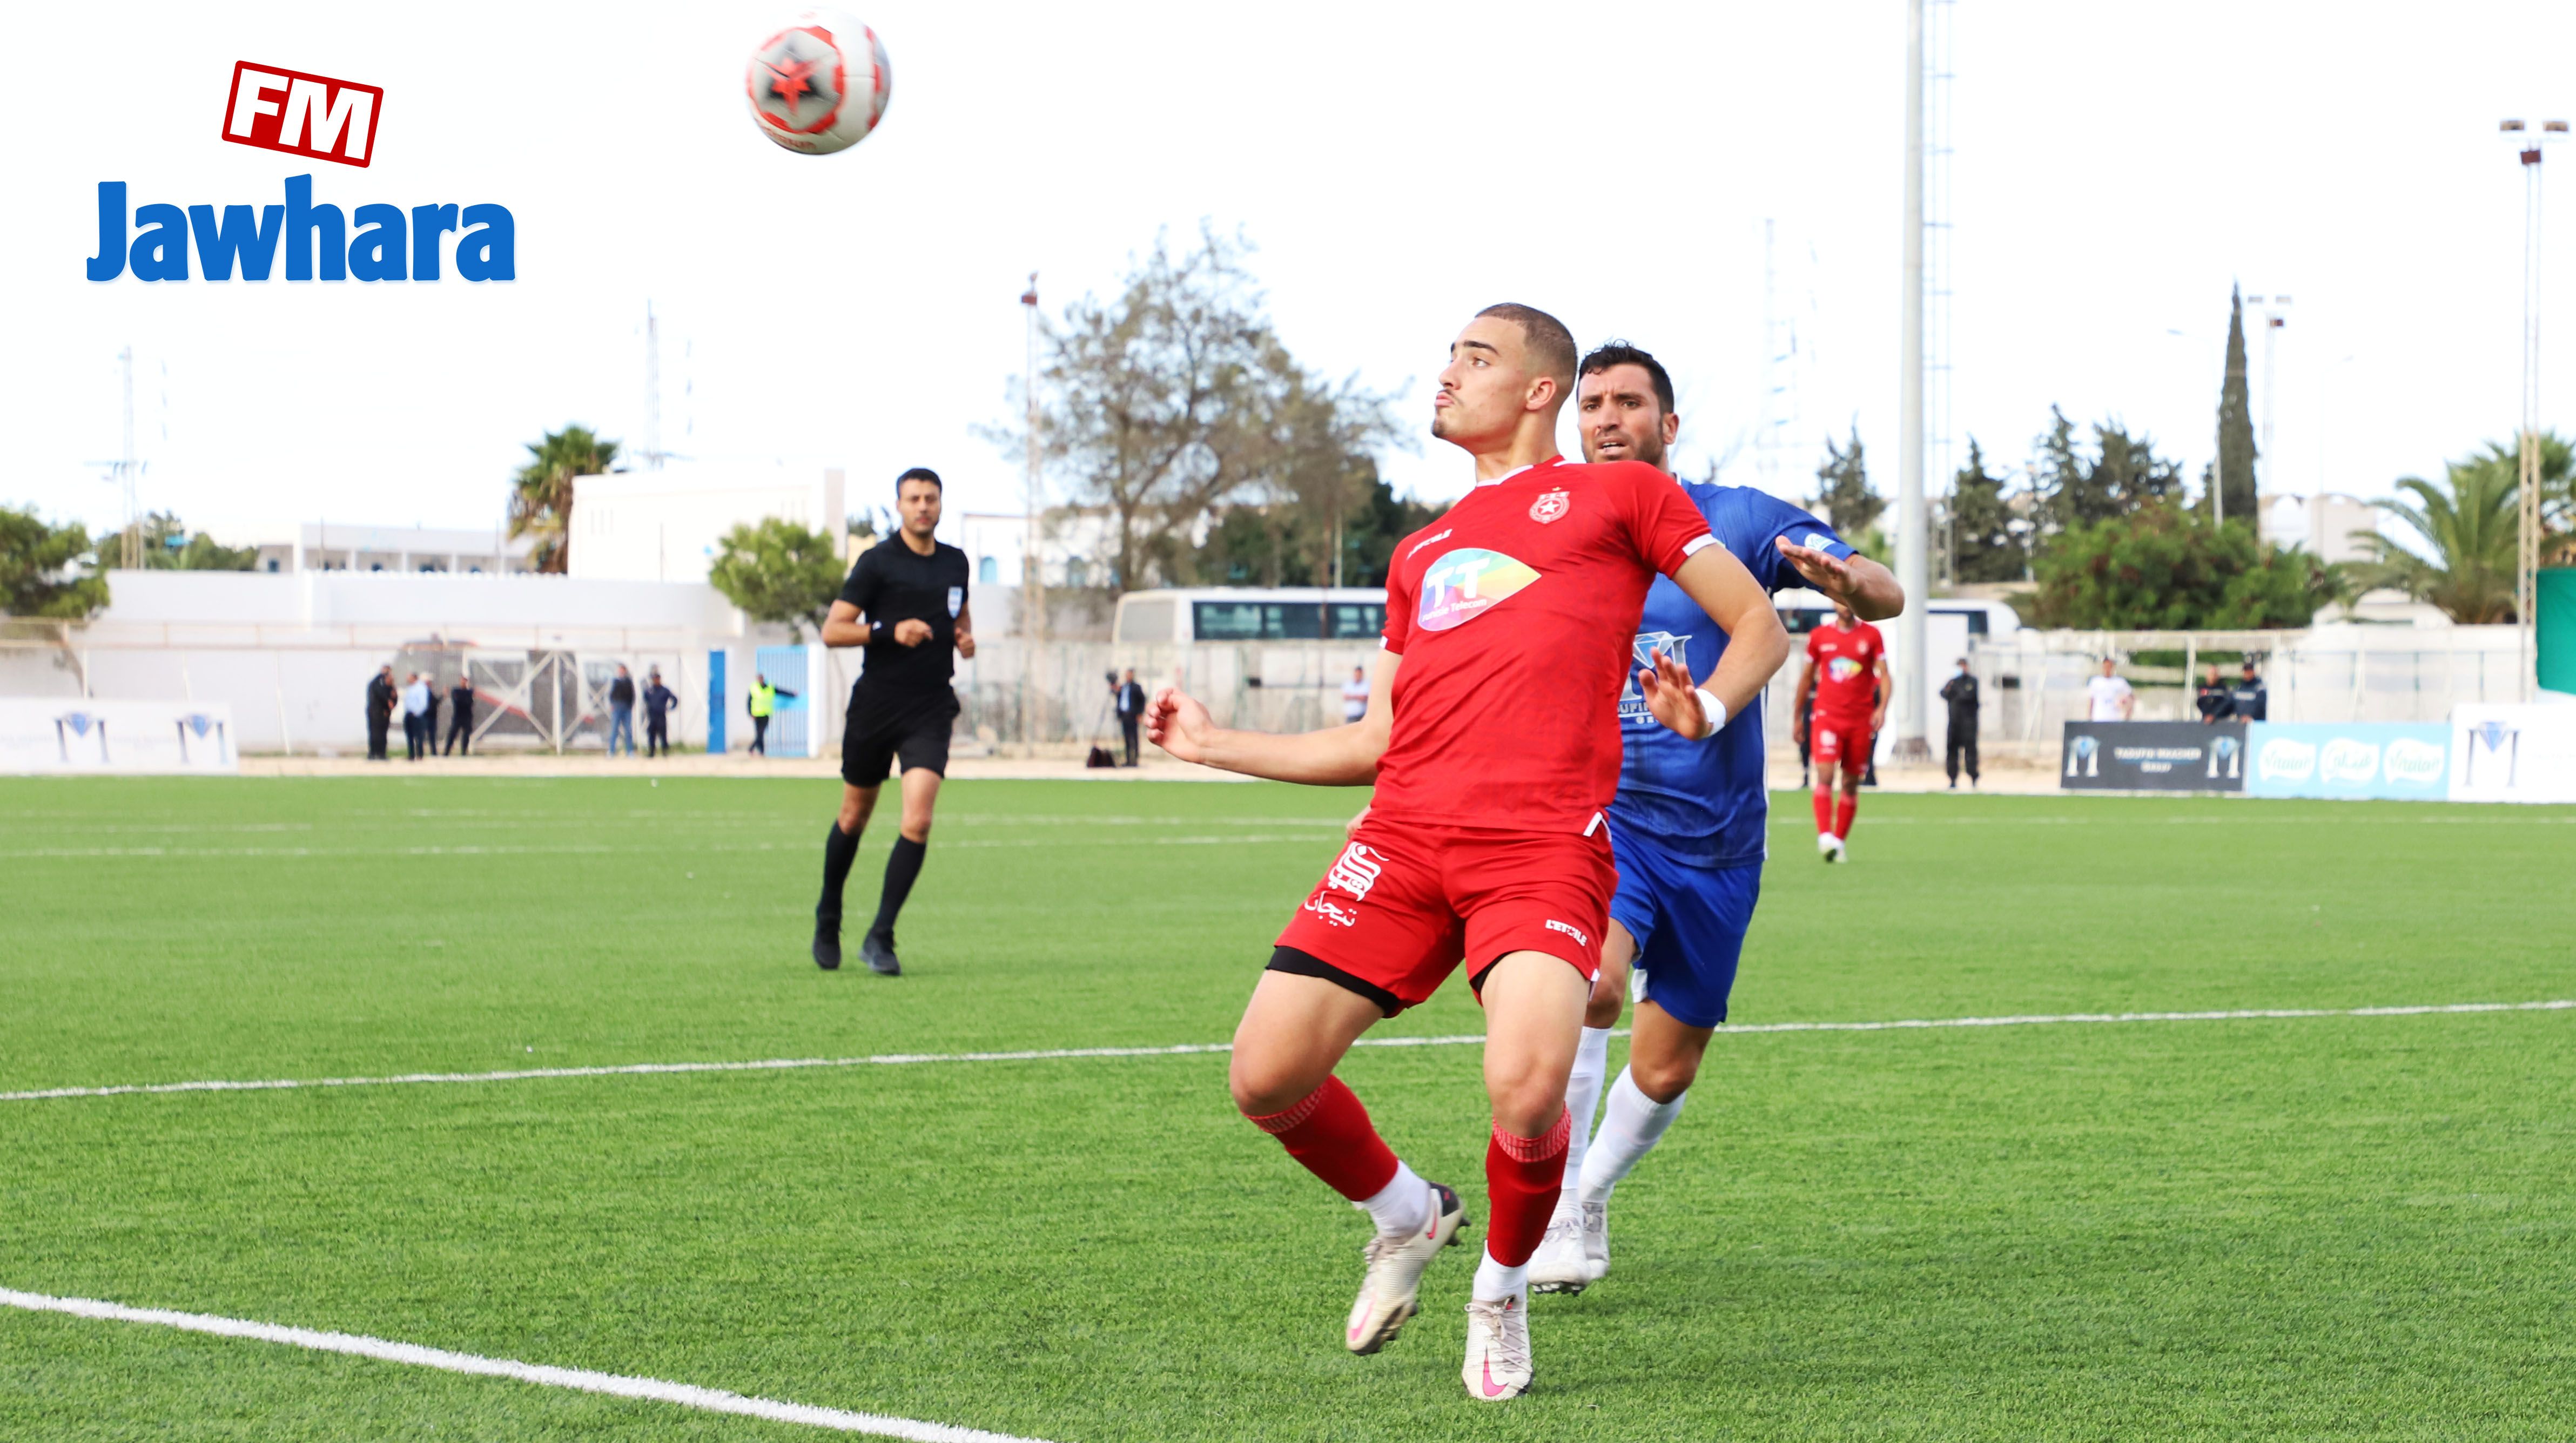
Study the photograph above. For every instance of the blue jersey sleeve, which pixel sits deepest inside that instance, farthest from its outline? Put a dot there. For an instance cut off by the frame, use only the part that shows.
(1754, 525)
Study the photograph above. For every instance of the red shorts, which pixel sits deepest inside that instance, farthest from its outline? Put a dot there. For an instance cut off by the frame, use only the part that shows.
(1832, 739)
(1404, 904)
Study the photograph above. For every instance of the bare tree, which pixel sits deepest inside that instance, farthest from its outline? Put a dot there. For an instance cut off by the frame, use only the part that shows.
(1157, 404)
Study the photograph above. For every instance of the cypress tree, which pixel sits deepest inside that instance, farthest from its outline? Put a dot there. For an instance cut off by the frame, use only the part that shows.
(1981, 524)
(2235, 422)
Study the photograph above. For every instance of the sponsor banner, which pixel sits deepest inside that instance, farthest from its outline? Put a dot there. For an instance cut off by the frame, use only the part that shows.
(2513, 753)
(2153, 757)
(73, 734)
(2396, 761)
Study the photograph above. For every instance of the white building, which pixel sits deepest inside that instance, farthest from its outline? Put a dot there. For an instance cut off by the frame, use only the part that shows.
(345, 546)
(2321, 525)
(665, 525)
(1078, 545)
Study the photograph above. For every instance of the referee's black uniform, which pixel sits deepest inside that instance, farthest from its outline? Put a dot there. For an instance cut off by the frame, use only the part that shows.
(902, 706)
(902, 709)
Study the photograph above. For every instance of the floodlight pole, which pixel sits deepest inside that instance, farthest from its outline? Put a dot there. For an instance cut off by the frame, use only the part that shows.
(1032, 567)
(2526, 570)
(1912, 535)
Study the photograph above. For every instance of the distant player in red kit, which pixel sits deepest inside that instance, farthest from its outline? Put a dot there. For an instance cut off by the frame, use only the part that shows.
(1846, 671)
(1492, 734)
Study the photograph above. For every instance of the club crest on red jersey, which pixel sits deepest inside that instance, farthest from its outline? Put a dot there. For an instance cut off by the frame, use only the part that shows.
(1550, 506)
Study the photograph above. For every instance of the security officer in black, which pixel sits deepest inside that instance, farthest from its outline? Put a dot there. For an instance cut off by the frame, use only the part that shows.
(2250, 700)
(905, 601)
(1961, 693)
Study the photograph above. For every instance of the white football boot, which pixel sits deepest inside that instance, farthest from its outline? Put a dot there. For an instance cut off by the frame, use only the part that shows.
(1593, 1226)
(1498, 1350)
(1559, 1265)
(1826, 842)
(1836, 852)
(1395, 1264)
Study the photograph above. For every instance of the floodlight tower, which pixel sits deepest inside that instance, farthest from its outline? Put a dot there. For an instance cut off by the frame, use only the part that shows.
(1912, 534)
(2526, 570)
(1032, 571)
(2273, 324)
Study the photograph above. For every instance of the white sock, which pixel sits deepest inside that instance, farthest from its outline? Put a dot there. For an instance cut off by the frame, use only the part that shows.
(1494, 1282)
(1401, 1206)
(1582, 1099)
(1630, 1128)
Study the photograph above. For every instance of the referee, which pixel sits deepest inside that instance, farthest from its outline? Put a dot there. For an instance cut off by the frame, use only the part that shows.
(905, 602)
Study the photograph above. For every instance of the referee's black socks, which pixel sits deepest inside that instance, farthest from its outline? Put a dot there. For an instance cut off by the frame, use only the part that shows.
(903, 864)
(840, 849)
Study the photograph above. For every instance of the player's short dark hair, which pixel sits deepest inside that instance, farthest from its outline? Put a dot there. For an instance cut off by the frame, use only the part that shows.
(1620, 353)
(1550, 343)
(920, 473)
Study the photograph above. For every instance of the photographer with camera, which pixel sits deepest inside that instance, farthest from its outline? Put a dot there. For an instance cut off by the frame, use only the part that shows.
(1130, 704)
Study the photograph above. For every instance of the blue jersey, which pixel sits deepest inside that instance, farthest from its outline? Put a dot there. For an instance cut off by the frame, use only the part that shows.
(1705, 800)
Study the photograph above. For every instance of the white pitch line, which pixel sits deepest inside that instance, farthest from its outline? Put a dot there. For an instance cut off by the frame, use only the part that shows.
(615, 1385)
(1185, 1049)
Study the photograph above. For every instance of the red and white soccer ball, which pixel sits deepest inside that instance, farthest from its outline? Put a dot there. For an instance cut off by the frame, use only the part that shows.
(819, 84)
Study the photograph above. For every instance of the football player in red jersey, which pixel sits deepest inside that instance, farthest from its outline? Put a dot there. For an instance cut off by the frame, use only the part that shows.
(1492, 734)
(1846, 671)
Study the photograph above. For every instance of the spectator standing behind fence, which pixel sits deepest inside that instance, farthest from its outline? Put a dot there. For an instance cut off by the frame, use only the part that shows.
(621, 710)
(382, 698)
(1961, 693)
(2110, 694)
(460, 715)
(415, 700)
(1131, 711)
(659, 701)
(761, 703)
(2249, 699)
(1355, 696)
(2212, 700)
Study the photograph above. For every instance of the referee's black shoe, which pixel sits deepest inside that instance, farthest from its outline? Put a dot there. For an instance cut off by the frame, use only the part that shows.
(827, 946)
(878, 952)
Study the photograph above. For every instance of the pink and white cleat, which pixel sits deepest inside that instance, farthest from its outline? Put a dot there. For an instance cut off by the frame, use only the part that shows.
(1498, 1350)
(1395, 1264)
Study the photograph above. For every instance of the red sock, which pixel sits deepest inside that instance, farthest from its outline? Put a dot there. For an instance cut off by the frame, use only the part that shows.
(1522, 1178)
(1843, 815)
(1331, 1134)
(1824, 801)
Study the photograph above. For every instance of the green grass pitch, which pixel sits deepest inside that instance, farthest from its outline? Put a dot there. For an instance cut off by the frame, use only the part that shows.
(2339, 1227)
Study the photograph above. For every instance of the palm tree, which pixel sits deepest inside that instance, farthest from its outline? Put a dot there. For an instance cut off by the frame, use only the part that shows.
(2468, 530)
(541, 500)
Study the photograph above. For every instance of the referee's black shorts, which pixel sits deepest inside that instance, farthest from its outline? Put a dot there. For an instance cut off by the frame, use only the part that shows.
(880, 729)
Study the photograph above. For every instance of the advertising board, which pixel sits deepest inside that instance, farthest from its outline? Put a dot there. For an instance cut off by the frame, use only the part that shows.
(73, 734)
(2152, 756)
(2513, 753)
(2395, 761)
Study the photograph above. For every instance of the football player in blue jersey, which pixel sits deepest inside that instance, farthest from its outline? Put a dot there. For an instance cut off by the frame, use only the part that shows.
(1689, 822)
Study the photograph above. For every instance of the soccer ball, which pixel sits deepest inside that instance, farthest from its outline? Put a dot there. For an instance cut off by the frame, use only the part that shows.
(820, 84)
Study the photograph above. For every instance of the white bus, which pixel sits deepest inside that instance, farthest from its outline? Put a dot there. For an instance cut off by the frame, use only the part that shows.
(1252, 613)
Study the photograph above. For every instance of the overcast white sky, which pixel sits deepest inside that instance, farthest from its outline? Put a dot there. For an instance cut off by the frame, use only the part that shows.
(1397, 166)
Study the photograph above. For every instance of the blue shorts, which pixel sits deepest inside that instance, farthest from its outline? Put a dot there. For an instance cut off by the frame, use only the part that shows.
(1689, 923)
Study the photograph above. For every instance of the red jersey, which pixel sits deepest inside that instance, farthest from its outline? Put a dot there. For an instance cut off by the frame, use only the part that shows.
(1511, 720)
(1846, 665)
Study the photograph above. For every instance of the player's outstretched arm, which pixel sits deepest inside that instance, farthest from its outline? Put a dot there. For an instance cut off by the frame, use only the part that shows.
(1756, 642)
(1342, 756)
(842, 627)
(966, 632)
(1869, 589)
